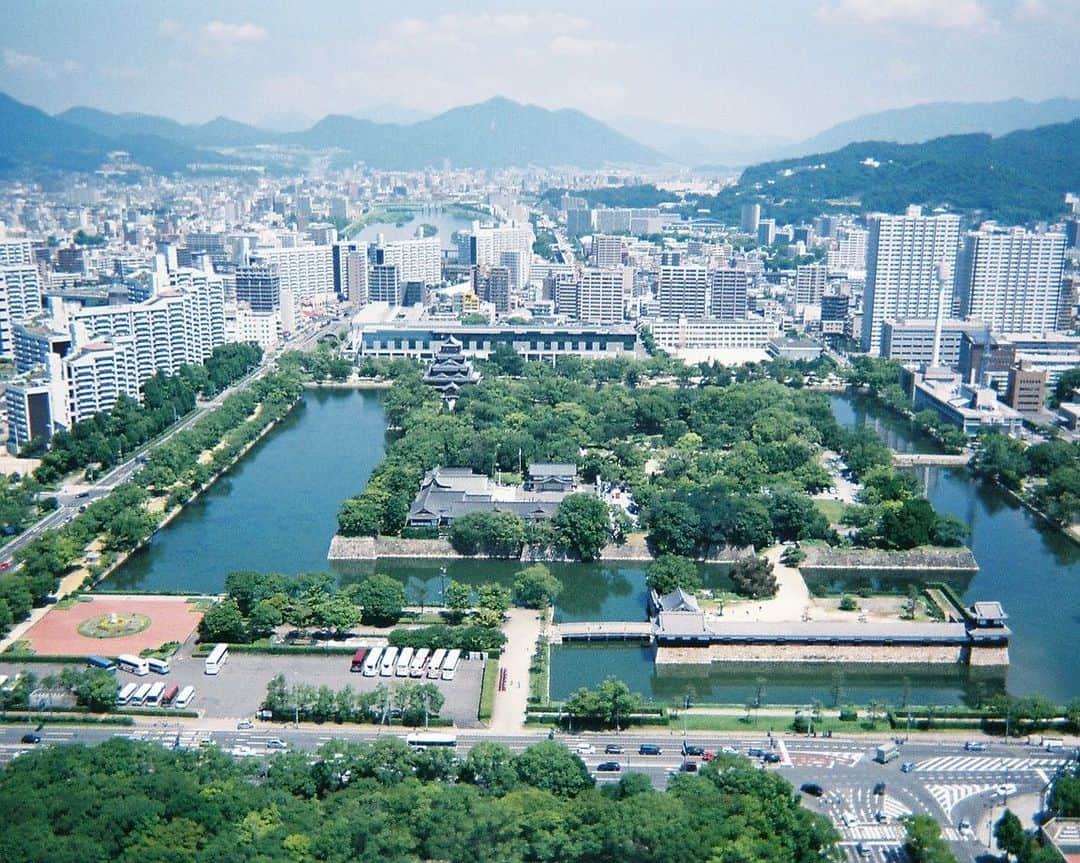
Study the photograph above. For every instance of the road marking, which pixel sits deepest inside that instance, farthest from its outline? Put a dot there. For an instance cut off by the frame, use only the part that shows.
(987, 764)
(948, 796)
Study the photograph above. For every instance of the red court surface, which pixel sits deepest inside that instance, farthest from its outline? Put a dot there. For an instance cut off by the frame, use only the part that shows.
(57, 633)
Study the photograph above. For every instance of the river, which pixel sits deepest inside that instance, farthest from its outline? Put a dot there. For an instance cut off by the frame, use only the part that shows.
(443, 219)
(275, 511)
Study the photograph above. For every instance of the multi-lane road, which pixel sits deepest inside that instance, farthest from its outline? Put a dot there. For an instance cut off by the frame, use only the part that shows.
(964, 791)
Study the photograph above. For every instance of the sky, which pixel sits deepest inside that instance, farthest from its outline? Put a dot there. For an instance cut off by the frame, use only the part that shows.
(778, 68)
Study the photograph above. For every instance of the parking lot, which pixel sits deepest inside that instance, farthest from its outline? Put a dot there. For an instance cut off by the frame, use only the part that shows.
(238, 690)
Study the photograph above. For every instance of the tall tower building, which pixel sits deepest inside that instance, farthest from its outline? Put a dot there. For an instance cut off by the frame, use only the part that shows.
(20, 300)
(810, 283)
(902, 256)
(607, 251)
(683, 292)
(602, 293)
(749, 217)
(728, 294)
(384, 284)
(1011, 279)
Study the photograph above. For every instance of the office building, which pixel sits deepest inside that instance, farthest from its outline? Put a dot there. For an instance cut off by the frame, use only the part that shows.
(1072, 233)
(728, 294)
(602, 293)
(810, 283)
(704, 335)
(1026, 391)
(1011, 279)
(384, 284)
(749, 217)
(259, 286)
(834, 307)
(20, 300)
(579, 222)
(339, 254)
(911, 341)
(355, 279)
(493, 286)
(683, 292)
(607, 251)
(910, 265)
(29, 412)
(766, 232)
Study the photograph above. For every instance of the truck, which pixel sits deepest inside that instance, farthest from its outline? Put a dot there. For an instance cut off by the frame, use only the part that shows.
(886, 752)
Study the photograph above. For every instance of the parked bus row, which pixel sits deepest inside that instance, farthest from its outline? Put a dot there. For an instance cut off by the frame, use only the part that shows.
(136, 665)
(406, 662)
(155, 695)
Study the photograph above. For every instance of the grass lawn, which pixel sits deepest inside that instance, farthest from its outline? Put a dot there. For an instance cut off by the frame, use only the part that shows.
(487, 689)
(831, 509)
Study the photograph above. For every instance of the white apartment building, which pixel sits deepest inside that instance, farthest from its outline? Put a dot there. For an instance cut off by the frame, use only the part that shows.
(607, 251)
(486, 244)
(902, 258)
(16, 253)
(602, 293)
(810, 283)
(20, 300)
(683, 292)
(1011, 279)
(847, 252)
(685, 334)
(94, 377)
(306, 271)
(417, 260)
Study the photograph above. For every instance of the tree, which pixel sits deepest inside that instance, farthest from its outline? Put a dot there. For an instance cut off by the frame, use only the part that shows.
(264, 618)
(490, 766)
(610, 703)
(753, 577)
(493, 597)
(381, 598)
(457, 598)
(337, 613)
(509, 361)
(673, 528)
(223, 622)
(536, 587)
(908, 524)
(359, 516)
(550, 766)
(583, 525)
(1010, 835)
(924, 843)
(669, 572)
(1066, 386)
(494, 533)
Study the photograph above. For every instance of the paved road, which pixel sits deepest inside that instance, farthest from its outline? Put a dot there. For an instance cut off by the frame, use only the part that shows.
(75, 494)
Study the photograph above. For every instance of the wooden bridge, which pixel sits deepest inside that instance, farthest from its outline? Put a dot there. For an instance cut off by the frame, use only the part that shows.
(915, 459)
(617, 630)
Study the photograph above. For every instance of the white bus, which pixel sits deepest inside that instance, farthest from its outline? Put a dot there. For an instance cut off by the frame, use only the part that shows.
(416, 667)
(435, 666)
(185, 696)
(450, 664)
(135, 664)
(155, 693)
(217, 658)
(389, 660)
(158, 666)
(139, 695)
(403, 661)
(372, 662)
(124, 696)
(431, 738)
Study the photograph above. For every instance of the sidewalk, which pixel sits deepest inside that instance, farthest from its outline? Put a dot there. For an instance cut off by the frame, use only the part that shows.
(791, 602)
(522, 631)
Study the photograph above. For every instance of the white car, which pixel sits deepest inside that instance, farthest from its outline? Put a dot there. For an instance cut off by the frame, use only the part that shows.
(585, 749)
(244, 725)
(276, 743)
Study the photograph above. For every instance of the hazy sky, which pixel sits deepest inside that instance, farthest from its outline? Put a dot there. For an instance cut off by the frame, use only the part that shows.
(769, 67)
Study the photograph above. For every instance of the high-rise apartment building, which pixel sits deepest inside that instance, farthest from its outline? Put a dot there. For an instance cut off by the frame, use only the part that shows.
(384, 284)
(1011, 279)
(16, 253)
(305, 272)
(259, 286)
(683, 292)
(602, 293)
(810, 283)
(903, 255)
(20, 300)
(749, 217)
(417, 260)
(728, 294)
(847, 252)
(339, 256)
(607, 251)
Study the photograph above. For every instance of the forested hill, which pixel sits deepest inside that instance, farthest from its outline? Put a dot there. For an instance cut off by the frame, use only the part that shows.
(1016, 178)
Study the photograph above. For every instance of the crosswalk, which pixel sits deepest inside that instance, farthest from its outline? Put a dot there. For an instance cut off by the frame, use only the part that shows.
(947, 796)
(183, 739)
(983, 764)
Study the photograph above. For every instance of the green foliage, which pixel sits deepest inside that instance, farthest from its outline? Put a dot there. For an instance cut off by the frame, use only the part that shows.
(608, 704)
(468, 638)
(1065, 389)
(1001, 458)
(536, 587)
(381, 598)
(1065, 797)
(753, 577)
(94, 688)
(223, 622)
(668, 572)
(494, 533)
(583, 525)
(848, 603)
(924, 843)
(550, 766)
(457, 598)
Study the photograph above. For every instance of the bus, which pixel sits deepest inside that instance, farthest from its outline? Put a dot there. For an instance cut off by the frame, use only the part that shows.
(373, 661)
(154, 695)
(139, 695)
(449, 666)
(184, 698)
(124, 696)
(170, 695)
(431, 738)
(135, 664)
(389, 660)
(217, 658)
(416, 667)
(403, 661)
(358, 659)
(886, 753)
(158, 666)
(101, 662)
(435, 666)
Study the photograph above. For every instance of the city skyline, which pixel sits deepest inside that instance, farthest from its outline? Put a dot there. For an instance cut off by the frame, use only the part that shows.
(261, 63)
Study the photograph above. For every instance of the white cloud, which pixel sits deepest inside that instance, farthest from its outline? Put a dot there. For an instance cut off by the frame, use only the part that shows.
(235, 34)
(29, 64)
(576, 46)
(936, 14)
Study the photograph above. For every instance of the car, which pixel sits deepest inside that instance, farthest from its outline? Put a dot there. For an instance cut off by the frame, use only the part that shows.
(585, 749)
(964, 826)
(707, 755)
(879, 789)
(880, 817)
(729, 750)
(690, 749)
(608, 767)
(907, 766)
(862, 850)
(755, 751)
(648, 749)
(244, 725)
(688, 767)
(5, 565)
(31, 738)
(975, 746)
(812, 788)
(770, 758)
(276, 743)
(82, 494)
(613, 749)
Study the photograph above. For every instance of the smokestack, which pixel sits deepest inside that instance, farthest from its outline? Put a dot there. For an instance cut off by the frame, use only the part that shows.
(939, 273)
